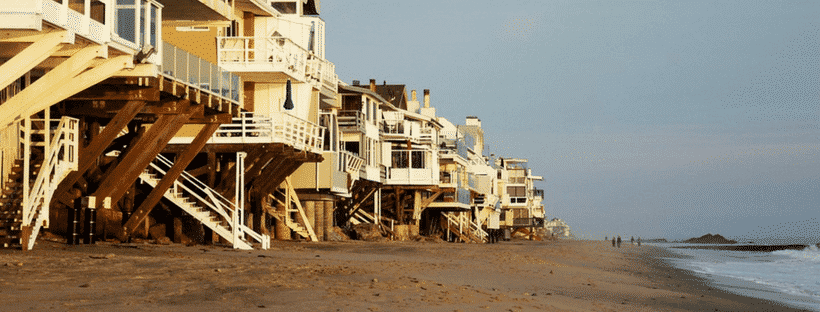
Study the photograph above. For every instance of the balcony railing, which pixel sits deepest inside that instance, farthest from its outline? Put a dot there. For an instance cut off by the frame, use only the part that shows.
(277, 54)
(350, 163)
(351, 120)
(192, 70)
(426, 135)
(256, 128)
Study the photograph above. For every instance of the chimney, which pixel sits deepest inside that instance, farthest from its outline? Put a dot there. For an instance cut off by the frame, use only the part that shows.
(356, 83)
(373, 85)
(413, 96)
(426, 98)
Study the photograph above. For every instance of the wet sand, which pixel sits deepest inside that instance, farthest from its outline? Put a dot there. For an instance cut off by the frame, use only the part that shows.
(358, 276)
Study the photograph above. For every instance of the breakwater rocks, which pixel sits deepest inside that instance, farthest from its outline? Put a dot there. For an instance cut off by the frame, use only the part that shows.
(760, 248)
(710, 239)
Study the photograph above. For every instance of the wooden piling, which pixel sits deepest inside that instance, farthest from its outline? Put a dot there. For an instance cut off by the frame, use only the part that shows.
(319, 220)
(328, 219)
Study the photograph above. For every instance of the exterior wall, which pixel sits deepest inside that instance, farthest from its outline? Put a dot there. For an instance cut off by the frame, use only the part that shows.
(199, 43)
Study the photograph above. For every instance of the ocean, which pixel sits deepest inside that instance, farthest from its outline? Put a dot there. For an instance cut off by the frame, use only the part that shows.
(788, 276)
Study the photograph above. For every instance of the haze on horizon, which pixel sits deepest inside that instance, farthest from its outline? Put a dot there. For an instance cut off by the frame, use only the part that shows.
(646, 118)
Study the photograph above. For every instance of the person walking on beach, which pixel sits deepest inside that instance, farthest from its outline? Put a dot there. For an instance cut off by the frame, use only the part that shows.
(633, 240)
(619, 241)
(639, 241)
(613, 241)
(606, 238)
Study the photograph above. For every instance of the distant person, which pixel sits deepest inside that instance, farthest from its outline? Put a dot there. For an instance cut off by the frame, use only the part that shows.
(606, 238)
(613, 241)
(639, 242)
(633, 240)
(619, 241)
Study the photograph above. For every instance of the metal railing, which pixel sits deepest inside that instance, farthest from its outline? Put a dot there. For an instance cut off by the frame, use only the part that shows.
(192, 70)
(62, 155)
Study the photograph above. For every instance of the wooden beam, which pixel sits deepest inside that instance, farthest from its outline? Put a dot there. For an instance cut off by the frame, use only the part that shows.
(358, 205)
(25, 103)
(146, 149)
(106, 92)
(29, 57)
(168, 180)
(84, 80)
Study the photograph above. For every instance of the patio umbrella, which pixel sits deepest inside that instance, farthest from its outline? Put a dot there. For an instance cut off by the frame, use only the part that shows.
(288, 101)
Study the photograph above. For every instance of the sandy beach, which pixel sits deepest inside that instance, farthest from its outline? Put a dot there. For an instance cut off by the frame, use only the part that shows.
(358, 276)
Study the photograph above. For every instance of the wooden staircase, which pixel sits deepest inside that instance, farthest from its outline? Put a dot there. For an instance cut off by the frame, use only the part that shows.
(11, 205)
(466, 230)
(206, 205)
(49, 154)
(304, 229)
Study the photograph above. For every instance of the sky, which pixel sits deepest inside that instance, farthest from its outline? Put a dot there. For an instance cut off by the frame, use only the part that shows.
(646, 118)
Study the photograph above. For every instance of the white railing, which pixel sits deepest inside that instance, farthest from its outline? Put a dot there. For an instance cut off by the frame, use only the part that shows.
(299, 133)
(61, 158)
(426, 134)
(461, 220)
(278, 54)
(351, 119)
(250, 128)
(275, 54)
(351, 163)
(211, 199)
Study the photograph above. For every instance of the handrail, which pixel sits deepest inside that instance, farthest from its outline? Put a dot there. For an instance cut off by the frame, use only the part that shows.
(62, 158)
(352, 162)
(214, 200)
(280, 52)
(210, 198)
(184, 67)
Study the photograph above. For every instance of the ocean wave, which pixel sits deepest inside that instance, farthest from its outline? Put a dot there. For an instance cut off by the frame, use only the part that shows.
(810, 254)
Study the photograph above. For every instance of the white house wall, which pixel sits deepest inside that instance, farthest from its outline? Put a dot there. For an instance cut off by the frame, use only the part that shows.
(269, 98)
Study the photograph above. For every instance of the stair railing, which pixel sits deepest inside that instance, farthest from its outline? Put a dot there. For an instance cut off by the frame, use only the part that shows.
(62, 158)
(208, 197)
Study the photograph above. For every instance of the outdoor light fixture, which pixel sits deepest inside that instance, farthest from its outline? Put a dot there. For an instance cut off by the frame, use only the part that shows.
(288, 101)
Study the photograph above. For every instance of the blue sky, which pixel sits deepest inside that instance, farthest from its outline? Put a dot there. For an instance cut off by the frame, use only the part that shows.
(647, 118)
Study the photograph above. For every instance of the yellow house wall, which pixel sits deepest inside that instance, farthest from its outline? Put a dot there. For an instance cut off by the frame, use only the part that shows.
(199, 43)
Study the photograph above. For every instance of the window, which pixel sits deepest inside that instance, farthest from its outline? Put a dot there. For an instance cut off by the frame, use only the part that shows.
(418, 159)
(152, 27)
(516, 191)
(77, 5)
(193, 28)
(400, 159)
(284, 7)
(352, 147)
(233, 30)
(98, 11)
(125, 20)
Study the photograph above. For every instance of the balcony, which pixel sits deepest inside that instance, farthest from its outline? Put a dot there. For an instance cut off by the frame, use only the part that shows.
(351, 121)
(188, 69)
(534, 222)
(272, 59)
(130, 24)
(250, 128)
(411, 167)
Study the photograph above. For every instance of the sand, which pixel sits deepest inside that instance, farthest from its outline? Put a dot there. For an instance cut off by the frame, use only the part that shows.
(357, 276)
